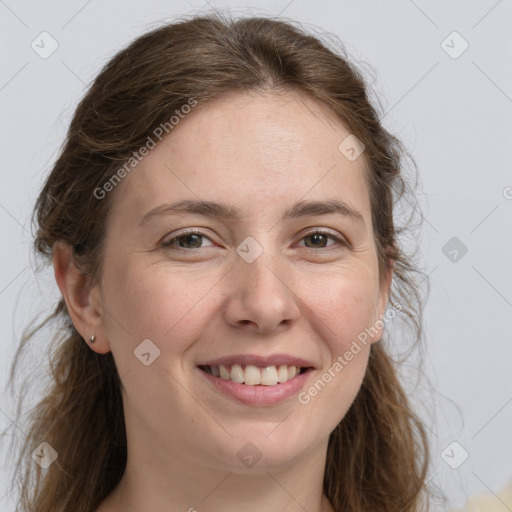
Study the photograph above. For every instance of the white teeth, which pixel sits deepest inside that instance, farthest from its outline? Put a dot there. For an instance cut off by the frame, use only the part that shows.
(237, 374)
(282, 373)
(253, 375)
(269, 376)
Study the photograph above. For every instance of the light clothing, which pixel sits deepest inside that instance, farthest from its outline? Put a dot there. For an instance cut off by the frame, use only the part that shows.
(489, 502)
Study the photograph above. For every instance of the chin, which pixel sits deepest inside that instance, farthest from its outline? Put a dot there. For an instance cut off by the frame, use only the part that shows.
(264, 450)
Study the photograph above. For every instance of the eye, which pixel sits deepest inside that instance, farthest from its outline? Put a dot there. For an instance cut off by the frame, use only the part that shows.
(320, 236)
(193, 239)
(190, 238)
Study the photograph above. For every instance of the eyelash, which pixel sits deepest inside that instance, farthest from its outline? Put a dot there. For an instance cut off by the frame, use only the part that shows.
(169, 243)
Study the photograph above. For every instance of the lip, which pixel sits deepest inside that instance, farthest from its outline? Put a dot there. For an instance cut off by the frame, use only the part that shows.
(258, 395)
(261, 361)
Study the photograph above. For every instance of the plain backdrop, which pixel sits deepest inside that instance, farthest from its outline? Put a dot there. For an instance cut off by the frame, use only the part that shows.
(442, 73)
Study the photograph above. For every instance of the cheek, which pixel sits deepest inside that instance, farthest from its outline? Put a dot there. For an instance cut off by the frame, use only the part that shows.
(150, 302)
(341, 309)
(337, 308)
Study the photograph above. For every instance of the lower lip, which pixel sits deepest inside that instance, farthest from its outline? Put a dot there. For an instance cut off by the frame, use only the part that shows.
(258, 395)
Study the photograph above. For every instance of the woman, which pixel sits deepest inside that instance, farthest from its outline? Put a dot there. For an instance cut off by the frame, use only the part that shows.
(220, 222)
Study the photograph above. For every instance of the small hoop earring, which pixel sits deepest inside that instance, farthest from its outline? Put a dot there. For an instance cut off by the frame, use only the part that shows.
(93, 338)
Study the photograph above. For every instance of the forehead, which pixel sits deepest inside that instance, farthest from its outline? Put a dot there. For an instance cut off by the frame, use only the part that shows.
(249, 149)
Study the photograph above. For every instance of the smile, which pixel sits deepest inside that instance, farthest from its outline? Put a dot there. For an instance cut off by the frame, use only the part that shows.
(252, 375)
(260, 386)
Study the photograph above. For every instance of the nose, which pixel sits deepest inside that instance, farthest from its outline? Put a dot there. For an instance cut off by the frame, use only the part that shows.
(261, 296)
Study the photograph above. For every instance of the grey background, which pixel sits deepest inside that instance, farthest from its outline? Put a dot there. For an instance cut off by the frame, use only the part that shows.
(453, 114)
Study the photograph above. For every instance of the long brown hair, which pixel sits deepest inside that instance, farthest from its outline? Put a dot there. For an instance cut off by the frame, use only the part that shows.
(378, 455)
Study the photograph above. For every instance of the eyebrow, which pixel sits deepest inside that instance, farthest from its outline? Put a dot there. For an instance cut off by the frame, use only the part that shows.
(228, 212)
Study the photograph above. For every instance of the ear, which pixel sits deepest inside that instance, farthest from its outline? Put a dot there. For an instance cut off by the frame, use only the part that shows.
(82, 300)
(382, 301)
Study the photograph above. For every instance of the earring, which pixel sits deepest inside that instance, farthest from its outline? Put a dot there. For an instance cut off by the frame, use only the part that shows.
(93, 338)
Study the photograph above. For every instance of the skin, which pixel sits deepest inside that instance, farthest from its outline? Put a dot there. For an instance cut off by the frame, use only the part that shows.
(304, 297)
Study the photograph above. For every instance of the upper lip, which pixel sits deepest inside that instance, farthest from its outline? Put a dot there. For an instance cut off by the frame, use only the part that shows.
(256, 360)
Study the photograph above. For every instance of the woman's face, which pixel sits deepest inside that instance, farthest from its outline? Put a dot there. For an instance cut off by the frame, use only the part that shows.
(261, 285)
